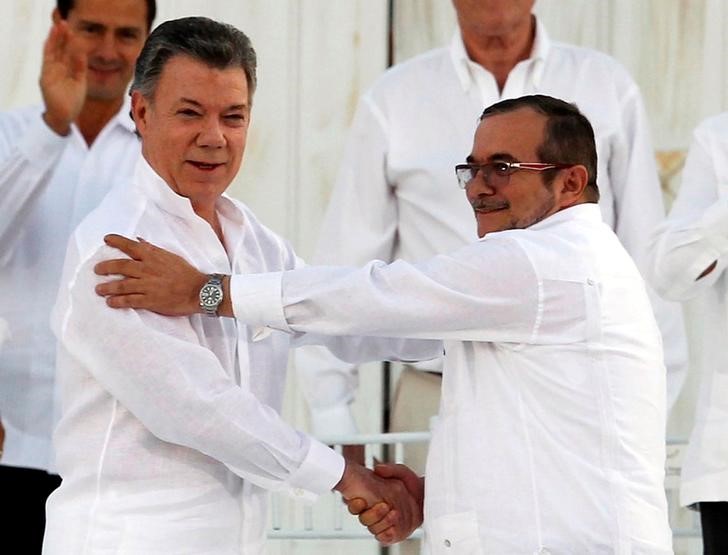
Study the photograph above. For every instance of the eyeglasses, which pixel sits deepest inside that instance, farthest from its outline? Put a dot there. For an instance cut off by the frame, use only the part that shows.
(498, 174)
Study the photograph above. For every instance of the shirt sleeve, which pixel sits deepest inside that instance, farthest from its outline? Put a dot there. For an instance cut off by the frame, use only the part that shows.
(639, 210)
(155, 367)
(488, 291)
(28, 155)
(695, 235)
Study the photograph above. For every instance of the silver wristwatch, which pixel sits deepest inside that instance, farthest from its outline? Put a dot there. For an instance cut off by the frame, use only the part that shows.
(211, 294)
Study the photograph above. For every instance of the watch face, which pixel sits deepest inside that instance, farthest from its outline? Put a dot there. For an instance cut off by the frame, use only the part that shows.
(210, 295)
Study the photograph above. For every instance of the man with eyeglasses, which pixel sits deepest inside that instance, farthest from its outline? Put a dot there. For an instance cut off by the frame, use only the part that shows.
(550, 437)
(391, 198)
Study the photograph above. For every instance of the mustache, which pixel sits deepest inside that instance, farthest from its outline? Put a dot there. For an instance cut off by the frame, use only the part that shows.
(489, 205)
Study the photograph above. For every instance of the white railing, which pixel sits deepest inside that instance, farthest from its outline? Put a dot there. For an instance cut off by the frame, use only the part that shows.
(328, 518)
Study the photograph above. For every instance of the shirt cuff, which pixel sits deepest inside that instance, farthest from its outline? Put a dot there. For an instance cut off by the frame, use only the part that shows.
(256, 300)
(40, 144)
(333, 421)
(320, 471)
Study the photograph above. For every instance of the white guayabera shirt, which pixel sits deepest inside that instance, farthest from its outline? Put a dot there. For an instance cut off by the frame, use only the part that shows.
(550, 436)
(694, 236)
(396, 195)
(48, 184)
(170, 431)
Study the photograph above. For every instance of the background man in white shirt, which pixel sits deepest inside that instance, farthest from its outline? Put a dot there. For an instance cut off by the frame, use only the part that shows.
(391, 199)
(170, 433)
(550, 436)
(689, 262)
(57, 161)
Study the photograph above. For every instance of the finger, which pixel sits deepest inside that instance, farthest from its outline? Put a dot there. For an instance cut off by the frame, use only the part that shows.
(126, 301)
(119, 266)
(371, 516)
(390, 519)
(128, 246)
(128, 286)
(356, 505)
(388, 537)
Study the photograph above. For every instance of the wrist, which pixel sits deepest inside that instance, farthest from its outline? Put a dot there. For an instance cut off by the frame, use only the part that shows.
(58, 125)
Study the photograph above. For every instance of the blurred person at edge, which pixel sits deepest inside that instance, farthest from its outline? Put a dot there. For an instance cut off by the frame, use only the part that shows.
(689, 263)
(57, 161)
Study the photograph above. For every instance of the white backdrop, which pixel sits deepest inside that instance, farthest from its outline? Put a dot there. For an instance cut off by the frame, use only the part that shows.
(317, 56)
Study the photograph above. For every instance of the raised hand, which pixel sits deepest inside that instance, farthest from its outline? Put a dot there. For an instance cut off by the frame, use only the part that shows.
(379, 518)
(63, 78)
(395, 513)
(154, 279)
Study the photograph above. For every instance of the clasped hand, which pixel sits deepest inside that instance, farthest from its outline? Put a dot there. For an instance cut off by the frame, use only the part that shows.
(388, 501)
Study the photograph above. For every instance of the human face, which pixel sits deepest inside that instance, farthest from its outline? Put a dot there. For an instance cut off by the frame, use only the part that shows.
(194, 128)
(524, 199)
(113, 34)
(492, 18)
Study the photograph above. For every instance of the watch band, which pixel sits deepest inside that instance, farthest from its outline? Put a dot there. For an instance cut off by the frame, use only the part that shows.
(211, 294)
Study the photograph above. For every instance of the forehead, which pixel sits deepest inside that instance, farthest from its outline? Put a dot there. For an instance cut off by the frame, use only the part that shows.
(517, 134)
(119, 13)
(184, 77)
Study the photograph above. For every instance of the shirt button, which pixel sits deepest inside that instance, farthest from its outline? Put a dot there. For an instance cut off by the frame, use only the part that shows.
(447, 543)
(589, 281)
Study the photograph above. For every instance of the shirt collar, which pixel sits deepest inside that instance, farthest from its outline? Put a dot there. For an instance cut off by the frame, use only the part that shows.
(464, 65)
(162, 195)
(123, 116)
(587, 211)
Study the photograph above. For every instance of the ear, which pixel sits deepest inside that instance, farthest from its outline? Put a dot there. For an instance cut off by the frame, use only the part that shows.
(139, 111)
(572, 185)
(55, 16)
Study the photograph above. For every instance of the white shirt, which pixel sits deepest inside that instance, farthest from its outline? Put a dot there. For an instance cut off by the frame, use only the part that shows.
(694, 236)
(551, 430)
(48, 183)
(396, 194)
(170, 433)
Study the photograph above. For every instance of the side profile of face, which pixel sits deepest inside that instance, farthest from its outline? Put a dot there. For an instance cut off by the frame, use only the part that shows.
(487, 18)
(195, 127)
(525, 199)
(113, 34)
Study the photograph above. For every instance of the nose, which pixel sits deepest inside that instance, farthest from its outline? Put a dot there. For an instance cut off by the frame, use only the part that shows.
(106, 48)
(211, 134)
(479, 185)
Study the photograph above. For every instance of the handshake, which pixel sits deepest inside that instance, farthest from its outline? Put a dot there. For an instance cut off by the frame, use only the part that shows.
(388, 500)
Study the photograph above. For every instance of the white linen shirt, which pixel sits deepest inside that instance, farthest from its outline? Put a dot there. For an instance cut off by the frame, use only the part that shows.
(551, 430)
(48, 183)
(396, 195)
(170, 431)
(694, 236)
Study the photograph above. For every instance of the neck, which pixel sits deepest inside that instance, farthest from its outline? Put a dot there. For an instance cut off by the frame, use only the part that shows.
(500, 53)
(94, 116)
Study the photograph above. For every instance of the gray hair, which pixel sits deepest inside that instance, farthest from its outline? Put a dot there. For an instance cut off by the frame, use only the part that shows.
(218, 45)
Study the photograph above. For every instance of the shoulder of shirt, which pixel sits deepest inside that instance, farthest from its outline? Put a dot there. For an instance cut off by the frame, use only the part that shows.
(714, 125)
(119, 212)
(17, 119)
(414, 68)
(580, 55)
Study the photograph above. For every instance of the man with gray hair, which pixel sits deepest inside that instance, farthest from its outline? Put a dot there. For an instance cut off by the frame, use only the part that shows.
(170, 431)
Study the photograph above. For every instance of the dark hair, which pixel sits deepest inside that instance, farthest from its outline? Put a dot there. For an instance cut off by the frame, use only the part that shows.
(215, 44)
(568, 137)
(65, 6)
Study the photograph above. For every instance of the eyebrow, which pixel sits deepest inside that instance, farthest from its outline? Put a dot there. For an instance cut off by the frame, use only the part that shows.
(195, 103)
(504, 156)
